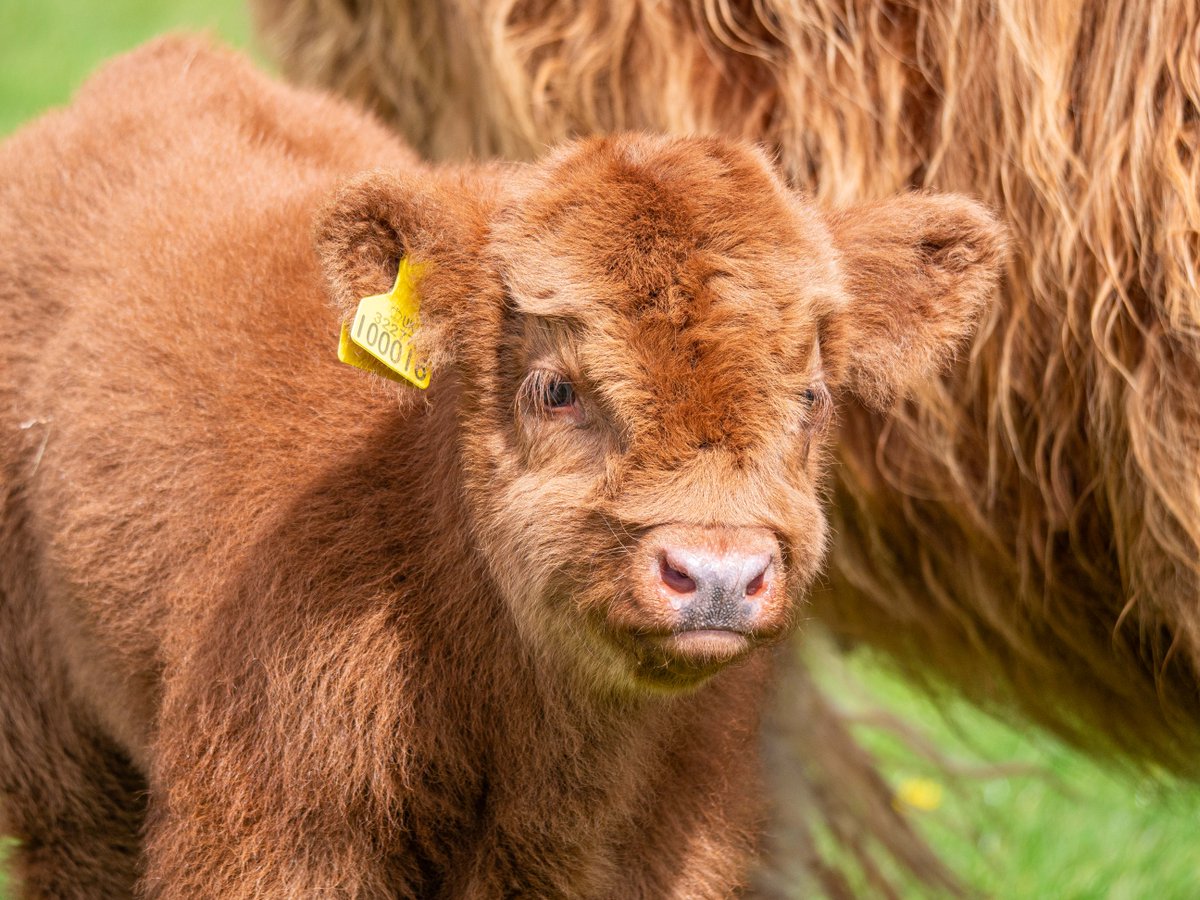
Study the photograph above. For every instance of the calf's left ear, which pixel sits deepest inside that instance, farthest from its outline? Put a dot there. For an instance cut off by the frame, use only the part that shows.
(918, 271)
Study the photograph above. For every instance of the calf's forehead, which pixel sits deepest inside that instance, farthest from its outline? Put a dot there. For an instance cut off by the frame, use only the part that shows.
(693, 278)
(612, 226)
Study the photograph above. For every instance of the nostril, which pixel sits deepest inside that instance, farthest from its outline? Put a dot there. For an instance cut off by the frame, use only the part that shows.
(674, 578)
(756, 583)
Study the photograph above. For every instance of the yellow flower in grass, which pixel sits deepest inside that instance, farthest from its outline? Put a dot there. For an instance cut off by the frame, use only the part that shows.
(918, 793)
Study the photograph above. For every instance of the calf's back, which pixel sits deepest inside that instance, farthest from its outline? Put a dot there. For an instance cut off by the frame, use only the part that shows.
(165, 361)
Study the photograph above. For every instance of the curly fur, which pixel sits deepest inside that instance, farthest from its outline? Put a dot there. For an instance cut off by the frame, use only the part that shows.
(1030, 527)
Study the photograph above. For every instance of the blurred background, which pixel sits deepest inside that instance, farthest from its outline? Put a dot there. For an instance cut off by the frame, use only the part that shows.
(1014, 814)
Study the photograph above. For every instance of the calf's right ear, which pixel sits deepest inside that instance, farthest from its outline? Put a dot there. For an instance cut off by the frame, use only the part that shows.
(378, 219)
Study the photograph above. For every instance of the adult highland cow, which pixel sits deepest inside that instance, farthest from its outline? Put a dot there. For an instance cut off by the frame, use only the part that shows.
(1030, 527)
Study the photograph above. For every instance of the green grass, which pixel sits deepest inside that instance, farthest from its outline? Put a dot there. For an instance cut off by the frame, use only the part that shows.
(1062, 827)
(47, 47)
(1026, 816)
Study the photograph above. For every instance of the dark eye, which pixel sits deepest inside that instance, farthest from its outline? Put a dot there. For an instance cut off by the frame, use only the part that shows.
(546, 393)
(557, 393)
(817, 404)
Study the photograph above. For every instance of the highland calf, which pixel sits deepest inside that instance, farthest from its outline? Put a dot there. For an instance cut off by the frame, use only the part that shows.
(273, 627)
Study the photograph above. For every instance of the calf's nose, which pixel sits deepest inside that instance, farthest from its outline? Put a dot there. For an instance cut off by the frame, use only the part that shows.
(715, 578)
(688, 571)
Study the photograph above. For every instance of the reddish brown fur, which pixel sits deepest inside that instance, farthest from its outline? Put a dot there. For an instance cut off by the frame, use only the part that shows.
(356, 644)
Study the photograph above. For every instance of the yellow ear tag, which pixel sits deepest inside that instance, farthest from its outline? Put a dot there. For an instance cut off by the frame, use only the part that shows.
(379, 339)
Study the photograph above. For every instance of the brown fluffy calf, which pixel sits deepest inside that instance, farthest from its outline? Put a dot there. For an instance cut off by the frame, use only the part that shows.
(1029, 527)
(274, 627)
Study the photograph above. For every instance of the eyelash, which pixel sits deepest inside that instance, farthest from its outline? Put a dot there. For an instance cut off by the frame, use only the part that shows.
(558, 393)
(548, 393)
(817, 402)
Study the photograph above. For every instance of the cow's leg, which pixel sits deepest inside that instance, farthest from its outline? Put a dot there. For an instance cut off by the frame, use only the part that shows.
(271, 769)
(72, 801)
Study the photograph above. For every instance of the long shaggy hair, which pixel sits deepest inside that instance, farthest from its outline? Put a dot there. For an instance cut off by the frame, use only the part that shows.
(1030, 528)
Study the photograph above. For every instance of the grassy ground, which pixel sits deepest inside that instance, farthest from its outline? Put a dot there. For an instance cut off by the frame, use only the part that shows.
(47, 47)
(1025, 816)
(1041, 822)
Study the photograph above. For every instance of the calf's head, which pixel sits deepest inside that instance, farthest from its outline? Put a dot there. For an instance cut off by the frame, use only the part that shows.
(644, 340)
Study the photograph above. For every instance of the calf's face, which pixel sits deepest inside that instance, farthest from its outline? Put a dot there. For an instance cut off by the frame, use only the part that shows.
(647, 338)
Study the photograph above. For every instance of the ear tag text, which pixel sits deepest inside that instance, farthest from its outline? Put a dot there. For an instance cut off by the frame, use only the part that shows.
(379, 338)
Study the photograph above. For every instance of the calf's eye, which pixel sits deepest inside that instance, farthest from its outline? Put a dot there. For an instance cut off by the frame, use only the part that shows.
(558, 393)
(547, 393)
(817, 404)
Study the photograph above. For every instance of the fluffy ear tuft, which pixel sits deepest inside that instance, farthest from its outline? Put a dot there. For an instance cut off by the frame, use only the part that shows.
(375, 220)
(918, 270)
(369, 225)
